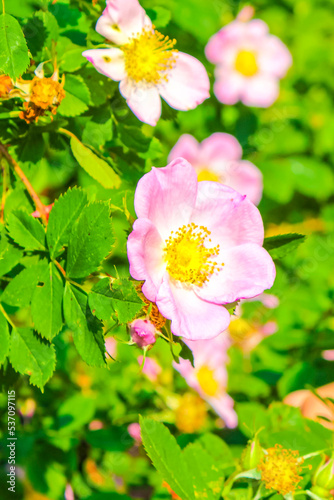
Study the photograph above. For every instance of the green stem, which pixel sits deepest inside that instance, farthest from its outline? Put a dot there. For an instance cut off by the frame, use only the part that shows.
(7, 317)
(3, 7)
(4, 170)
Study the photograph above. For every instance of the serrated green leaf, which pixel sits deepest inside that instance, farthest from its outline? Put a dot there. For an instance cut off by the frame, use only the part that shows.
(19, 291)
(281, 245)
(185, 352)
(90, 241)
(77, 97)
(87, 330)
(26, 231)
(4, 338)
(166, 456)
(217, 448)
(120, 300)
(14, 57)
(10, 255)
(31, 355)
(63, 215)
(97, 168)
(207, 477)
(40, 30)
(46, 304)
(134, 138)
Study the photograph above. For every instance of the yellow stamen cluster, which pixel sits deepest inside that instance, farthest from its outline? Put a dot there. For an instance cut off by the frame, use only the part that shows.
(240, 329)
(207, 175)
(45, 95)
(191, 413)
(207, 381)
(246, 63)
(280, 470)
(188, 260)
(149, 56)
(5, 86)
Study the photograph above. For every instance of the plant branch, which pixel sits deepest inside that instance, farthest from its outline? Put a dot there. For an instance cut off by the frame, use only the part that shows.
(39, 205)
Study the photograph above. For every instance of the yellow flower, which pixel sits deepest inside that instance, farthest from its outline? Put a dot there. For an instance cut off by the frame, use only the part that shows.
(280, 469)
(191, 413)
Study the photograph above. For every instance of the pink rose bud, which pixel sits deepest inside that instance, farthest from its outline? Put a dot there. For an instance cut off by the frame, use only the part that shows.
(142, 332)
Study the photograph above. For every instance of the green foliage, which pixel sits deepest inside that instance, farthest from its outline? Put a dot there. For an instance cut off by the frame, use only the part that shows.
(281, 245)
(4, 338)
(77, 97)
(26, 231)
(14, 57)
(31, 355)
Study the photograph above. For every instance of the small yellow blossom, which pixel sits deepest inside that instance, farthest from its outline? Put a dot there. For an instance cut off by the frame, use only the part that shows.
(191, 413)
(280, 469)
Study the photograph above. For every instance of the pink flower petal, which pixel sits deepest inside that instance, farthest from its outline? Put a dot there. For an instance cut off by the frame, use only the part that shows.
(228, 85)
(261, 91)
(232, 219)
(143, 101)
(274, 57)
(256, 28)
(121, 20)
(186, 147)
(145, 256)
(220, 146)
(223, 406)
(247, 271)
(167, 196)
(188, 83)
(245, 178)
(219, 42)
(109, 62)
(192, 318)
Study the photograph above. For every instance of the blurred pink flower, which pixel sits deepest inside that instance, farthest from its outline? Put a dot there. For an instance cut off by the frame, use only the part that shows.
(146, 63)
(197, 245)
(209, 377)
(249, 63)
(151, 368)
(328, 355)
(28, 408)
(218, 158)
(142, 332)
(111, 346)
(69, 493)
(96, 425)
(134, 431)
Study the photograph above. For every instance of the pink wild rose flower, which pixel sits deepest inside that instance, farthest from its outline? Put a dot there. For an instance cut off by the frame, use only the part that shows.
(249, 63)
(142, 332)
(218, 158)
(197, 246)
(146, 63)
(209, 377)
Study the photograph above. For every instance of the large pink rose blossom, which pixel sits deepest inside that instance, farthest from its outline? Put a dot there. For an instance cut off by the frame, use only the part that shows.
(197, 246)
(146, 63)
(218, 158)
(209, 377)
(249, 63)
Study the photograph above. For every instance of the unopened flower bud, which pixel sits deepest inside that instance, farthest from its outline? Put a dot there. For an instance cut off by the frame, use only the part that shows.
(323, 478)
(252, 455)
(142, 332)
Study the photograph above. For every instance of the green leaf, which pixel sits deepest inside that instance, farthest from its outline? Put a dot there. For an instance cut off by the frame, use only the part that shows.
(46, 304)
(207, 477)
(75, 412)
(120, 301)
(4, 338)
(31, 355)
(26, 231)
(87, 330)
(14, 57)
(97, 168)
(159, 16)
(185, 352)
(90, 241)
(279, 246)
(19, 291)
(63, 215)
(217, 449)
(10, 255)
(77, 97)
(134, 138)
(166, 456)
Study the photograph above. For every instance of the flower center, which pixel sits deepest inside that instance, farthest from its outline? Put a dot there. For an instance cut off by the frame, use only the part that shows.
(149, 57)
(207, 381)
(246, 63)
(207, 175)
(240, 329)
(5, 85)
(188, 260)
(191, 413)
(280, 469)
(46, 93)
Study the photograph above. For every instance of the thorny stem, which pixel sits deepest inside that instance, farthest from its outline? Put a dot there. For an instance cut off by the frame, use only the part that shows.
(39, 205)
(4, 171)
